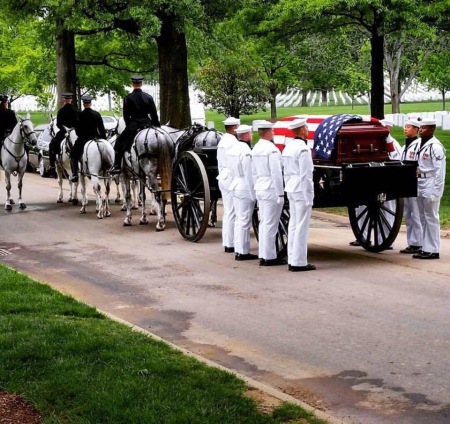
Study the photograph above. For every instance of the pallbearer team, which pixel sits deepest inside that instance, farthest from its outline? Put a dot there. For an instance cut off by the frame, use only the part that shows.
(265, 175)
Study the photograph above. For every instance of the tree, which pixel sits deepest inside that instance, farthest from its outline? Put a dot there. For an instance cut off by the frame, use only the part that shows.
(435, 73)
(376, 18)
(232, 86)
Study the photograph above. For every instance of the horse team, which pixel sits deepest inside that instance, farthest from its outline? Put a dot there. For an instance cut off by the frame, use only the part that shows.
(147, 165)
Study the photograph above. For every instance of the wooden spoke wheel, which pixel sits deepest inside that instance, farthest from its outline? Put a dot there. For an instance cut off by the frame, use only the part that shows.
(190, 195)
(377, 224)
(282, 235)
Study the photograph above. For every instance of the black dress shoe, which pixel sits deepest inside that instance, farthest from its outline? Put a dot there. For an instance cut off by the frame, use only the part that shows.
(412, 249)
(307, 267)
(426, 255)
(273, 262)
(229, 249)
(354, 243)
(245, 257)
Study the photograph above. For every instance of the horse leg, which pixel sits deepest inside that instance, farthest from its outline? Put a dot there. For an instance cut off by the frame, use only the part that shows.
(117, 181)
(213, 214)
(83, 195)
(22, 205)
(74, 193)
(124, 190)
(144, 220)
(139, 198)
(8, 206)
(134, 188)
(127, 191)
(98, 197)
(107, 191)
(59, 174)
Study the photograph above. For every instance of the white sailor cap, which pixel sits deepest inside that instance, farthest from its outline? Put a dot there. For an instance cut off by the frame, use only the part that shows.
(297, 123)
(263, 125)
(242, 129)
(426, 122)
(386, 123)
(231, 121)
(413, 122)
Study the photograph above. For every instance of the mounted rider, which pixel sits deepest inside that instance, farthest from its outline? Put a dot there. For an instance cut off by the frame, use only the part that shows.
(67, 117)
(8, 119)
(139, 111)
(89, 126)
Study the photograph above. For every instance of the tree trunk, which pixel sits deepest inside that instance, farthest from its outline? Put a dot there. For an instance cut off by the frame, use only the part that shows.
(376, 76)
(173, 74)
(304, 98)
(273, 104)
(66, 75)
(324, 96)
(443, 99)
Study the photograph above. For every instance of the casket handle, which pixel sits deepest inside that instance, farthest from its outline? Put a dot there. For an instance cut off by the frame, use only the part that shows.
(358, 149)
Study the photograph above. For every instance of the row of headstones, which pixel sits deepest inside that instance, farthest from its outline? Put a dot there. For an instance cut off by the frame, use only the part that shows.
(442, 118)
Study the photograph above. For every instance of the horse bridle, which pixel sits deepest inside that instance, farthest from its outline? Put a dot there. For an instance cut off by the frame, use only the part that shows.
(25, 135)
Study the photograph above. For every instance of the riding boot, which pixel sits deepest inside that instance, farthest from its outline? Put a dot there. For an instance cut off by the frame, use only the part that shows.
(74, 166)
(117, 168)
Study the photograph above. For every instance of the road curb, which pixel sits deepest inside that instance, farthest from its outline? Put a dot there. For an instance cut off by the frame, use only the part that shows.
(278, 394)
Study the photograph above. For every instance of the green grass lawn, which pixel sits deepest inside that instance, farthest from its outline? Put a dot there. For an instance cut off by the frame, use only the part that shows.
(77, 366)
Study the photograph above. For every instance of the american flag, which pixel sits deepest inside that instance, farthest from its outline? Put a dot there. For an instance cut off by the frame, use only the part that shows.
(282, 133)
(326, 132)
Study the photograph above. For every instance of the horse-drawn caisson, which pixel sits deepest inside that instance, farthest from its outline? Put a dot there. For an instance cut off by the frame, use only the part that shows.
(355, 171)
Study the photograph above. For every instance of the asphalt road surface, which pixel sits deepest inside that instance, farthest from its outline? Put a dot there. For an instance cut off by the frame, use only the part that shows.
(366, 337)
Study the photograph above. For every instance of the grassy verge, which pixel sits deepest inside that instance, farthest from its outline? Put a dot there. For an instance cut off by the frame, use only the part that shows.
(76, 366)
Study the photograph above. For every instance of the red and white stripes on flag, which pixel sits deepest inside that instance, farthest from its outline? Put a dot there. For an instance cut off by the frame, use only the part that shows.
(281, 131)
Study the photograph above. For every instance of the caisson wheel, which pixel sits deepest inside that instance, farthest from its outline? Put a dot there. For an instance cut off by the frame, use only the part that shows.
(377, 224)
(190, 195)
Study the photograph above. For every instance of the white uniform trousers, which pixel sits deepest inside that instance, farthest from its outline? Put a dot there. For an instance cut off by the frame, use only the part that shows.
(429, 218)
(228, 217)
(269, 215)
(298, 230)
(412, 219)
(243, 207)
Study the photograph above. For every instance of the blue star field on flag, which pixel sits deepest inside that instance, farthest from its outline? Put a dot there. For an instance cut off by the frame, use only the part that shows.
(326, 132)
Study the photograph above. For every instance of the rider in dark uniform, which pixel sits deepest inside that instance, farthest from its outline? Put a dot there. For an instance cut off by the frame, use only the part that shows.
(8, 119)
(137, 106)
(67, 117)
(89, 126)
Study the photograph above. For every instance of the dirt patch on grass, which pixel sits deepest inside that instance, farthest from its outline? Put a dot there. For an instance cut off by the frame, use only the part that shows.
(265, 402)
(14, 409)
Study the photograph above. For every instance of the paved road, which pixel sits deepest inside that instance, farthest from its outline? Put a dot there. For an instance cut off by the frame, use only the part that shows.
(366, 337)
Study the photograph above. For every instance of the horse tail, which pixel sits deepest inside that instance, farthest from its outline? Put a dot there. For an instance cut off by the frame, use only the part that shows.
(165, 165)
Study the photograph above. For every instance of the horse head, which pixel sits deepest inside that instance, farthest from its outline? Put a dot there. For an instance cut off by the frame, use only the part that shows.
(27, 131)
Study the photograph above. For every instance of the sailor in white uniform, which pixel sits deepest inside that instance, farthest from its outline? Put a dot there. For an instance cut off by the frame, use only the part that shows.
(298, 178)
(268, 184)
(228, 140)
(412, 217)
(431, 174)
(241, 187)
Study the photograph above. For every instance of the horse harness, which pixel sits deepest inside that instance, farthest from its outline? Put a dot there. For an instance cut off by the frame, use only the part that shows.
(24, 136)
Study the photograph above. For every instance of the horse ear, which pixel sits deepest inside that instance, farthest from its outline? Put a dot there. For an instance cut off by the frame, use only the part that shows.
(20, 118)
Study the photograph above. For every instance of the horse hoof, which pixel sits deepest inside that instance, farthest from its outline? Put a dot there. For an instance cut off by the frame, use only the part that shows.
(74, 202)
(123, 208)
(22, 206)
(82, 210)
(59, 201)
(212, 225)
(108, 214)
(8, 207)
(12, 202)
(127, 224)
(158, 230)
(99, 216)
(116, 201)
(143, 222)
(135, 208)
(152, 213)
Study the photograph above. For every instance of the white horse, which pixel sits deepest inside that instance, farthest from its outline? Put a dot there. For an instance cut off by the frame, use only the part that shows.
(63, 166)
(151, 155)
(120, 185)
(15, 158)
(98, 158)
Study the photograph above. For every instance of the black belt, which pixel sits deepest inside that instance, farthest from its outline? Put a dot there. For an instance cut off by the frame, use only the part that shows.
(425, 174)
